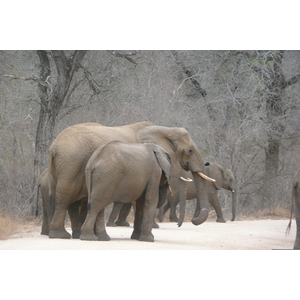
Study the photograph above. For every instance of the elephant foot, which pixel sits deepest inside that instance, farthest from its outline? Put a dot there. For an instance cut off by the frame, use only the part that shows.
(43, 232)
(174, 219)
(146, 238)
(135, 235)
(76, 234)
(155, 225)
(59, 234)
(122, 223)
(221, 220)
(111, 224)
(88, 237)
(103, 236)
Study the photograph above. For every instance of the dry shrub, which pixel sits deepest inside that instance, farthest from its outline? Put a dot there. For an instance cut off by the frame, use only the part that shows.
(8, 227)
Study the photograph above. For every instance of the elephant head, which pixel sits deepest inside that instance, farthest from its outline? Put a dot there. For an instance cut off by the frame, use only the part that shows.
(223, 179)
(184, 155)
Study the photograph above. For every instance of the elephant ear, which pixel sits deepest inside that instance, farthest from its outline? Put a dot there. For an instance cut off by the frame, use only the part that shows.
(165, 137)
(215, 171)
(163, 159)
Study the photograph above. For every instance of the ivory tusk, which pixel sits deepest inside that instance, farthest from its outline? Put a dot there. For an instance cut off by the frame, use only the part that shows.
(186, 179)
(170, 190)
(206, 177)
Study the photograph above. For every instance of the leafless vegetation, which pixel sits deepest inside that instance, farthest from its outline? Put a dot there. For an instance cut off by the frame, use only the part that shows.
(240, 107)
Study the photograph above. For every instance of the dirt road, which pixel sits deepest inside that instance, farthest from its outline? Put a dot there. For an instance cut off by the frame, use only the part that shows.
(240, 235)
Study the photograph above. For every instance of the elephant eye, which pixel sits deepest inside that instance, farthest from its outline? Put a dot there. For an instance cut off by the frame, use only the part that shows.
(190, 152)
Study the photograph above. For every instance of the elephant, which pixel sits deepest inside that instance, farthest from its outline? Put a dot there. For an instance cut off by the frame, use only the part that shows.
(224, 179)
(48, 205)
(73, 147)
(295, 195)
(122, 172)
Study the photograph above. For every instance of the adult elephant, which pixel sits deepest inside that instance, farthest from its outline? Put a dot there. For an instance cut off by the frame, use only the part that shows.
(132, 172)
(296, 196)
(224, 179)
(71, 150)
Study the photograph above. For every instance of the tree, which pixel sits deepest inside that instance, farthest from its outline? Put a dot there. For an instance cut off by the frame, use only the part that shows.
(268, 68)
(55, 84)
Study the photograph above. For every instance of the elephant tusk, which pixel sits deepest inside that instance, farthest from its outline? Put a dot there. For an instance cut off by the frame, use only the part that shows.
(206, 177)
(170, 190)
(186, 179)
(232, 191)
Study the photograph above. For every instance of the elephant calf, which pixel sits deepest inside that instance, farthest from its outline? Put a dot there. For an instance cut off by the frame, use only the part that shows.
(121, 172)
(223, 179)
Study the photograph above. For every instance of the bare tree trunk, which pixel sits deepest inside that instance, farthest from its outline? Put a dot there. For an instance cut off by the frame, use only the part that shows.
(52, 93)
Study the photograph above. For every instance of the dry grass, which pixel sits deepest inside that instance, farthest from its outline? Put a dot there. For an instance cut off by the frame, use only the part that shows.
(8, 227)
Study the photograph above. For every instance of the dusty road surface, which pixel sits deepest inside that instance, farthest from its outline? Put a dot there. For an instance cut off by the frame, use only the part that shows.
(237, 235)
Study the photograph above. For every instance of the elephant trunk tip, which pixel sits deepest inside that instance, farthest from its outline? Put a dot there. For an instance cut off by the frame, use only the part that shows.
(179, 223)
(201, 218)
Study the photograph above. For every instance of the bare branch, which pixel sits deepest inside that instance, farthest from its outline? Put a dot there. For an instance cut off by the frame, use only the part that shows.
(293, 80)
(23, 78)
(125, 55)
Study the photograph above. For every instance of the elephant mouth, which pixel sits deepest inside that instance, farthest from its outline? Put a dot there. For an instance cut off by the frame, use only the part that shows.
(185, 166)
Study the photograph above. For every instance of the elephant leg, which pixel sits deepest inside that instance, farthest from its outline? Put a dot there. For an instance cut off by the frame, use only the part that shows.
(139, 211)
(155, 225)
(113, 215)
(173, 217)
(125, 210)
(46, 220)
(93, 227)
(100, 230)
(83, 211)
(57, 227)
(87, 229)
(148, 215)
(76, 222)
(197, 210)
(163, 210)
(63, 199)
(214, 200)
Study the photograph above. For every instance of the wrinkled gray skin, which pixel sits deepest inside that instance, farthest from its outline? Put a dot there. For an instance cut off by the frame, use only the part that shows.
(71, 150)
(48, 205)
(132, 172)
(295, 195)
(224, 179)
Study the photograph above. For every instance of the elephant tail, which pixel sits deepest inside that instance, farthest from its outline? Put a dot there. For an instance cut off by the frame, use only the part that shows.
(51, 192)
(88, 176)
(293, 195)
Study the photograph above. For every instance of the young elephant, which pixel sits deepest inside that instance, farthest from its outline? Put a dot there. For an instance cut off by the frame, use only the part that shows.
(120, 172)
(224, 179)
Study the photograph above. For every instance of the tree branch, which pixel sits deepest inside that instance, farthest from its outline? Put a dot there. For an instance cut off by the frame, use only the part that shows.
(125, 55)
(24, 78)
(190, 75)
(293, 80)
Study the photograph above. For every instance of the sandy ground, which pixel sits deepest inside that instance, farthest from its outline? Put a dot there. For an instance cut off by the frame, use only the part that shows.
(238, 235)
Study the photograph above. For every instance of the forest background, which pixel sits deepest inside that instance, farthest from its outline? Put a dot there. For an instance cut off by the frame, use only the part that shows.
(240, 107)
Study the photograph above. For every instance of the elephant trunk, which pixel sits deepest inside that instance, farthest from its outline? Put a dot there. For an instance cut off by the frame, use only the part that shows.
(182, 199)
(202, 199)
(233, 204)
